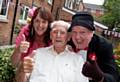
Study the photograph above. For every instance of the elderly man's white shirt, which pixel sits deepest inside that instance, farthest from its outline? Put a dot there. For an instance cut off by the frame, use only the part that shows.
(52, 67)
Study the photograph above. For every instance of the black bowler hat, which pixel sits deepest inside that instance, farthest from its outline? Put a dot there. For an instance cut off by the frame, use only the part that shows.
(84, 19)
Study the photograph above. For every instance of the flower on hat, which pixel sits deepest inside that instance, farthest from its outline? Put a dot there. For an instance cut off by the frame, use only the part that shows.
(92, 56)
(31, 11)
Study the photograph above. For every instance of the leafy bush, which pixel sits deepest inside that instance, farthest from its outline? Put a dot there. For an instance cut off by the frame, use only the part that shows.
(6, 70)
(17, 29)
(117, 55)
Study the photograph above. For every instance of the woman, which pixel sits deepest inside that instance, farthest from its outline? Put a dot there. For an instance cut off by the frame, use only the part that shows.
(33, 36)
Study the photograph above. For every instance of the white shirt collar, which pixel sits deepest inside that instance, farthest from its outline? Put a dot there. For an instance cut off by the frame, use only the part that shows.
(51, 48)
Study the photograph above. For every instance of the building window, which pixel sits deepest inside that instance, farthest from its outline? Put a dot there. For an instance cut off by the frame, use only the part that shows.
(50, 1)
(4, 5)
(23, 14)
(69, 4)
(72, 4)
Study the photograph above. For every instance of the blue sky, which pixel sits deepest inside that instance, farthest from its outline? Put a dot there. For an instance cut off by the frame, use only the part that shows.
(98, 2)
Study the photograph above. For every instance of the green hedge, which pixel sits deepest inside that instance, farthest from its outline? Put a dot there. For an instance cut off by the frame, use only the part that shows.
(117, 53)
(6, 70)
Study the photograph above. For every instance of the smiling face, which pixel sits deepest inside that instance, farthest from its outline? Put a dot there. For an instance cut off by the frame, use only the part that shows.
(40, 25)
(81, 36)
(59, 37)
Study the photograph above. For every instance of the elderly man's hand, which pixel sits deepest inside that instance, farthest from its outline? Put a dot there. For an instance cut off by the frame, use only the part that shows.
(93, 71)
(28, 63)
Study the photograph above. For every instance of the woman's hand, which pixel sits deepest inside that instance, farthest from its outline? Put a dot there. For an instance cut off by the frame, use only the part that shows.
(24, 45)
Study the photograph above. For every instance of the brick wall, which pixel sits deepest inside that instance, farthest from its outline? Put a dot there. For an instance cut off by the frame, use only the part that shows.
(57, 8)
(26, 2)
(65, 16)
(6, 26)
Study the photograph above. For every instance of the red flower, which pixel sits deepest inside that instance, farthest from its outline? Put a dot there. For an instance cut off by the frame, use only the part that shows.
(116, 56)
(92, 56)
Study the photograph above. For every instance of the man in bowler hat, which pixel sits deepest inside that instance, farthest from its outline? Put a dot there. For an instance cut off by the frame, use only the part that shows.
(96, 51)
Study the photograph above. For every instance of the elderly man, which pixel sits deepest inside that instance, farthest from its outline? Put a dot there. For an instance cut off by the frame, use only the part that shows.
(56, 63)
(97, 51)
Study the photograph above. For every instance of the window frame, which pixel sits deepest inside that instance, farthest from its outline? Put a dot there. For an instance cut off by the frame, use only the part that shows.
(6, 14)
(68, 4)
(50, 1)
(24, 12)
(71, 4)
(22, 20)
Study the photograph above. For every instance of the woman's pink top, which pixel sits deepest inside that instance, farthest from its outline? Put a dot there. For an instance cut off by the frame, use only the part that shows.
(24, 30)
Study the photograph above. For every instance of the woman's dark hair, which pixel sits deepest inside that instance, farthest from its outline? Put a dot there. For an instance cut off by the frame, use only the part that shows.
(45, 14)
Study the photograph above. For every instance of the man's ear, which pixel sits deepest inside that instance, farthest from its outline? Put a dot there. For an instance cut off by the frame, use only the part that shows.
(69, 36)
